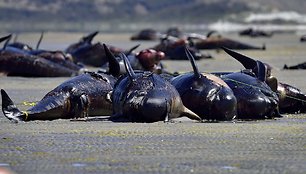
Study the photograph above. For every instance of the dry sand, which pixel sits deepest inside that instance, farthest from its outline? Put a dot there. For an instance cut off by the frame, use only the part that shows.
(64, 146)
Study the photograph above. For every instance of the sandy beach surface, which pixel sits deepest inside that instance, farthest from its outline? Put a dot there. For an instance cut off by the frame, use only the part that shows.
(184, 146)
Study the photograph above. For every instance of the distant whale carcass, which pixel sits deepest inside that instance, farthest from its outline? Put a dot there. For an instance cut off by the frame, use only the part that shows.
(16, 62)
(216, 42)
(174, 49)
(298, 66)
(255, 33)
(92, 54)
(35, 66)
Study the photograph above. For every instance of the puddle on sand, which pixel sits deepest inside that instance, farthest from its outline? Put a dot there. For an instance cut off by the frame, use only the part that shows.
(229, 167)
(79, 165)
(4, 164)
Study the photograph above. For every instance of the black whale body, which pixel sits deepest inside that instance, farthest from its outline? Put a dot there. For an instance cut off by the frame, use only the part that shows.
(291, 99)
(205, 94)
(17, 62)
(146, 97)
(256, 99)
(216, 42)
(81, 96)
(34, 66)
(297, 66)
(92, 54)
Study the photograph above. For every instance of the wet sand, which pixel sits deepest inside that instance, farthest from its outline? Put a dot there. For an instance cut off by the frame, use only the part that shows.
(65, 146)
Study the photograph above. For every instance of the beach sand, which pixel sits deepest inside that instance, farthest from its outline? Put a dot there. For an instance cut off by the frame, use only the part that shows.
(184, 146)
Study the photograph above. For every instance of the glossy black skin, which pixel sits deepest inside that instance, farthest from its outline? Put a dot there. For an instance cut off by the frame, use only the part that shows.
(131, 99)
(85, 95)
(216, 42)
(33, 66)
(298, 66)
(92, 55)
(291, 99)
(146, 98)
(255, 99)
(206, 96)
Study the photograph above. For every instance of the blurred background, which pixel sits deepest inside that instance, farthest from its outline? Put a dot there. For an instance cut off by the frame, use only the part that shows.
(133, 15)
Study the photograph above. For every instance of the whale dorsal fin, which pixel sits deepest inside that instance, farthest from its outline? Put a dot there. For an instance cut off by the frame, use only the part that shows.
(132, 49)
(128, 67)
(256, 66)
(89, 37)
(196, 72)
(260, 71)
(210, 33)
(247, 62)
(40, 39)
(113, 64)
(6, 39)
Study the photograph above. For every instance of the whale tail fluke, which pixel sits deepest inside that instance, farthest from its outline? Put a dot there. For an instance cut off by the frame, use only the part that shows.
(9, 109)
